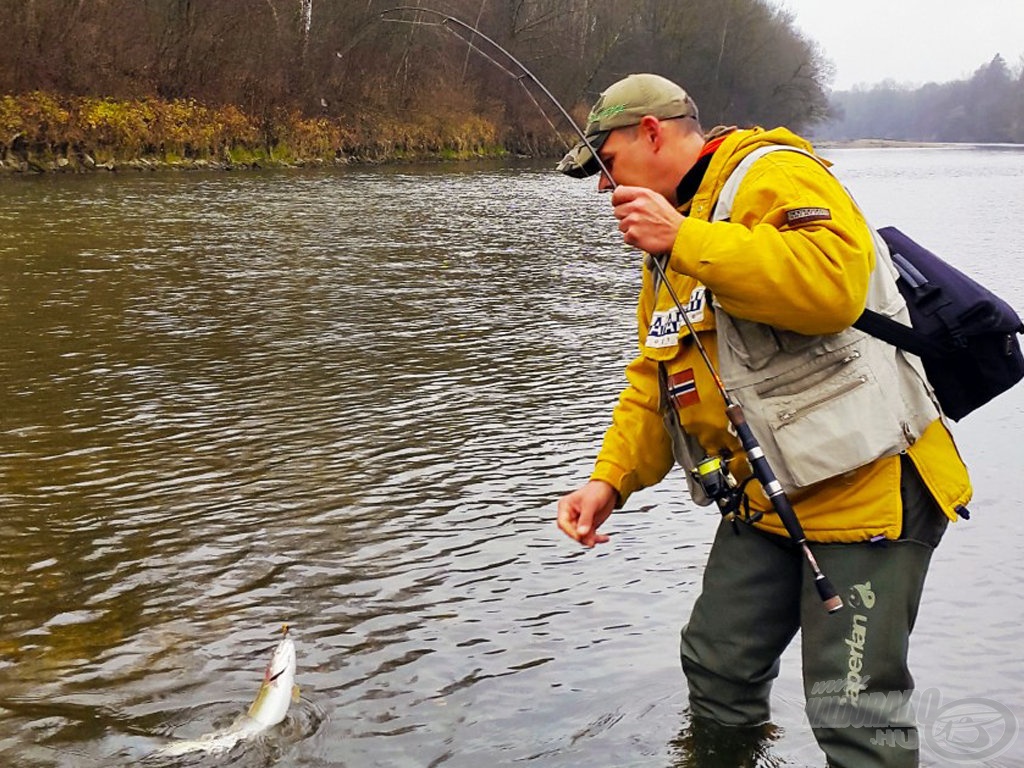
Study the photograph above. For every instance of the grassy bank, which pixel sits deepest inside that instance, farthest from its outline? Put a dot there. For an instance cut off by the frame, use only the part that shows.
(40, 133)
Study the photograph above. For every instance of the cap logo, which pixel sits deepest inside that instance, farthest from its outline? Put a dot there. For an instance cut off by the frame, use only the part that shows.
(605, 112)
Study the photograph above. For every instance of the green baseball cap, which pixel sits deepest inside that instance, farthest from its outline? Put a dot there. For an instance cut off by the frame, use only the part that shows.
(623, 104)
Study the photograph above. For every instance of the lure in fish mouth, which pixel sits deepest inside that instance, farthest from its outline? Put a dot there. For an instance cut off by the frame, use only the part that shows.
(269, 708)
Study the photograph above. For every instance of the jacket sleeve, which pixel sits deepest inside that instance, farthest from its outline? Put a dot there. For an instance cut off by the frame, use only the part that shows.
(796, 254)
(637, 451)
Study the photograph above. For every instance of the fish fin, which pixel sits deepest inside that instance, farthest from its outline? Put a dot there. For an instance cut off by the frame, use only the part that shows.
(295, 692)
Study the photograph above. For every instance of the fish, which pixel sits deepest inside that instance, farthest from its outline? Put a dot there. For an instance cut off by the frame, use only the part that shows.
(269, 708)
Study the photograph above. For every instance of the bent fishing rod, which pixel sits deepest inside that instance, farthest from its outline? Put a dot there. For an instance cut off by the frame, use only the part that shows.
(759, 464)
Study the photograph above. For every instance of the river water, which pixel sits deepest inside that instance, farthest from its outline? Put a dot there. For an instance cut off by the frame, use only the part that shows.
(348, 400)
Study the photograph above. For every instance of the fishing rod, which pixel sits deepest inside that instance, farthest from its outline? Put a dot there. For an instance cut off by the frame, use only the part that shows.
(445, 23)
(762, 470)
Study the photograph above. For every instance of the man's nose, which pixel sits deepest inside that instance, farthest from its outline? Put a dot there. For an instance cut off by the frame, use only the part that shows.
(604, 184)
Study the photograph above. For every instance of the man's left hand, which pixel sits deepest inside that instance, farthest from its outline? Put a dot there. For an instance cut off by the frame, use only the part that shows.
(646, 219)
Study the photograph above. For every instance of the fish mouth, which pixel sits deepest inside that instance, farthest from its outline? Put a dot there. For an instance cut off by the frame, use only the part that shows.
(277, 674)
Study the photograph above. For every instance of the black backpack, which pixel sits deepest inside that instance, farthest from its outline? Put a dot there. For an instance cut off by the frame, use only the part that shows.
(965, 335)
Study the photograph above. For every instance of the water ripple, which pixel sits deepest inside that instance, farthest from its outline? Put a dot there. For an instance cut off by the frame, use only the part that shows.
(348, 400)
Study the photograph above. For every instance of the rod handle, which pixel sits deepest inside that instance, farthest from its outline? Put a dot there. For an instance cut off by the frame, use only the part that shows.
(829, 597)
(780, 503)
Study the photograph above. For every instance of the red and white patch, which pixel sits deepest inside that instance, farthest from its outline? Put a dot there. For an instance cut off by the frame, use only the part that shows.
(682, 388)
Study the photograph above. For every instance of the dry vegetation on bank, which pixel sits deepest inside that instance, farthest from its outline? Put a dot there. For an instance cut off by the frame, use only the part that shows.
(180, 82)
(40, 132)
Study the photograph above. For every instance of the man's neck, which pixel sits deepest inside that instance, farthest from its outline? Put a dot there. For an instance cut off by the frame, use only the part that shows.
(691, 181)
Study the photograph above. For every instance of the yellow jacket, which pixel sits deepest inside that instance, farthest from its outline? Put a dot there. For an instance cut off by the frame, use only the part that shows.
(779, 261)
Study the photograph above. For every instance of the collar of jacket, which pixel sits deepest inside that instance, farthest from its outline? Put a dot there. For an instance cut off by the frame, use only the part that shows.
(691, 181)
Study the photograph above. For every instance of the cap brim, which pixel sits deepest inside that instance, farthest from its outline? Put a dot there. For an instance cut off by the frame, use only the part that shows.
(580, 161)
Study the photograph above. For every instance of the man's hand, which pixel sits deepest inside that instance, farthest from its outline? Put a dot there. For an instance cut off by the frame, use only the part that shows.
(646, 219)
(581, 512)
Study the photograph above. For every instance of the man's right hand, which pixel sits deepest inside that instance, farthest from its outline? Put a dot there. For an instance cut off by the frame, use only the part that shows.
(582, 512)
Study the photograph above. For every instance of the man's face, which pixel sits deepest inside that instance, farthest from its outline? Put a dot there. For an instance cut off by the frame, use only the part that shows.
(626, 157)
(655, 154)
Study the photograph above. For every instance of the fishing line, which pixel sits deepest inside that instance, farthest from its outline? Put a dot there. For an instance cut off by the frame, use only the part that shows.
(474, 47)
(452, 25)
(755, 454)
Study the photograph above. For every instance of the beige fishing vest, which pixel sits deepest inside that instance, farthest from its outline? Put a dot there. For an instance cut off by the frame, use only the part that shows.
(820, 406)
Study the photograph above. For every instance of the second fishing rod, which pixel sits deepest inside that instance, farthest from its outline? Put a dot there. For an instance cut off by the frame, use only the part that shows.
(762, 470)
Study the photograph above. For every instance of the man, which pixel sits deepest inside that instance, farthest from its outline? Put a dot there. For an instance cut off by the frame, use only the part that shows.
(772, 269)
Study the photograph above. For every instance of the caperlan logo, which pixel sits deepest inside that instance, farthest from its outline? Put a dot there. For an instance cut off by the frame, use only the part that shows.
(604, 112)
(664, 328)
(862, 595)
(855, 681)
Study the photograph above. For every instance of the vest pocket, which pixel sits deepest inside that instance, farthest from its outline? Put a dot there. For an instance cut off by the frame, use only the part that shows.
(841, 424)
(753, 344)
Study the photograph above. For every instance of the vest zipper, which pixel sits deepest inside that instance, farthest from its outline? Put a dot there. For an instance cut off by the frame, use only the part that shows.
(785, 417)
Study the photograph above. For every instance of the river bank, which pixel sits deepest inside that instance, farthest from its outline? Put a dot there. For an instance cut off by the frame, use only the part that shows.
(44, 133)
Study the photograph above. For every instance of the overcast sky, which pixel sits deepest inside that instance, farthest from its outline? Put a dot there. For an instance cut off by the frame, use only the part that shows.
(911, 41)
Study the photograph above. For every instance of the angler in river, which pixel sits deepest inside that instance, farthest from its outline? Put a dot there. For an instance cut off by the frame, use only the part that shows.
(774, 262)
(269, 708)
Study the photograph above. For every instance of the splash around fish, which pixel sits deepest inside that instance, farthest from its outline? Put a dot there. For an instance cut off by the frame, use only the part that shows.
(275, 696)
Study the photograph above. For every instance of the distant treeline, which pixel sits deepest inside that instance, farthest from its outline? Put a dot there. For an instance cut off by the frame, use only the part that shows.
(121, 72)
(988, 107)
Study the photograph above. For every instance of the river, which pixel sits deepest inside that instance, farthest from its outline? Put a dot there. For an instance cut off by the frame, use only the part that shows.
(348, 400)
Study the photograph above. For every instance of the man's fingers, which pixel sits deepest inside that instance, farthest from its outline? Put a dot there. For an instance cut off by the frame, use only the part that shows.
(626, 227)
(623, 195)
(581, 512)
(578, 523)
(646, 219)
(569, 529)
(568, 517)
(584, 524)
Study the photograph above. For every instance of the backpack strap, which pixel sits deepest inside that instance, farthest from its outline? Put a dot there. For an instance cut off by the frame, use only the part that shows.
(723, 206)
(898, 334)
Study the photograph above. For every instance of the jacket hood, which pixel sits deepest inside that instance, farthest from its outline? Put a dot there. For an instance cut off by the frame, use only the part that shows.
(739, 144)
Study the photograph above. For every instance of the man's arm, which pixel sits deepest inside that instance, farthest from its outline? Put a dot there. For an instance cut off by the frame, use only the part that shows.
(796, 253)
(636, 451)
(770, 264)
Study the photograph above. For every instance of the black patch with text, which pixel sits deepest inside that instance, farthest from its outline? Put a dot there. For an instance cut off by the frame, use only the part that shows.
(800, 216)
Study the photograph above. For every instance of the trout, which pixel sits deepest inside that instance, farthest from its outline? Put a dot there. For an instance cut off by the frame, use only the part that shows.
(267, 710)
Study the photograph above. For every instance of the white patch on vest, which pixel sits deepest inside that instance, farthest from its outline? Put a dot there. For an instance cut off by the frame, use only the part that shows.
(665, 325)
(799, 216)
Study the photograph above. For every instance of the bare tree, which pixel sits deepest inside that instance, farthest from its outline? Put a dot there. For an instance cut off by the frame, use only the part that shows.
(742, 59)
(306, 11)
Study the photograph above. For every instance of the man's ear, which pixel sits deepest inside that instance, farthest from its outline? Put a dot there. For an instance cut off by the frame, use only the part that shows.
(651, 130)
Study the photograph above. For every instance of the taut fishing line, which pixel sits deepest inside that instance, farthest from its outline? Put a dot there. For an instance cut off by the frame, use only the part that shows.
(755, 454)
